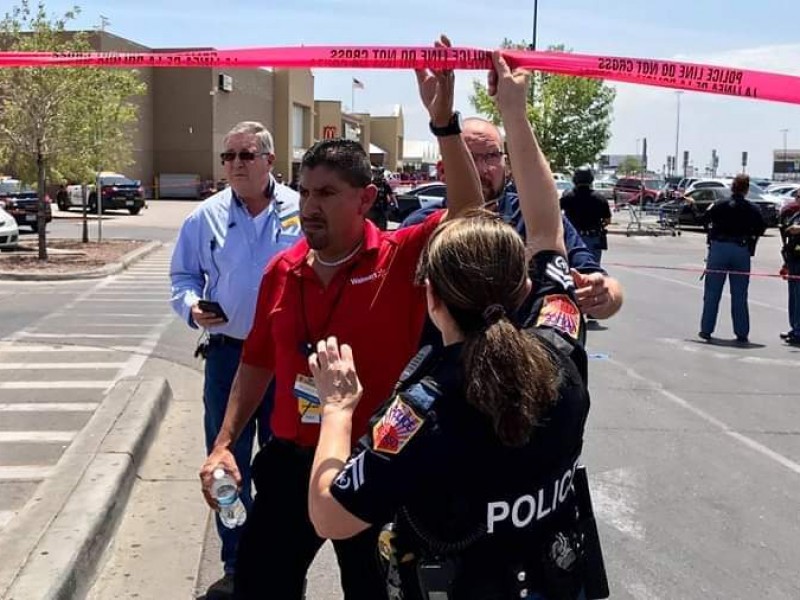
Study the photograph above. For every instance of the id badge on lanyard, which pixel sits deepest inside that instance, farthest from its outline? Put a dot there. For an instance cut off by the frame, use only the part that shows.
(308, 404)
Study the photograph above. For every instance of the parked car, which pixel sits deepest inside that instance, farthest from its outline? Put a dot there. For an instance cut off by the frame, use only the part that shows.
(630, 190)
(423, 196)
(9, 231)
(605, 189)
(695, 203)
(117, 192)
(23, 206)
(722, 182)
(683, 184)
(563, 185)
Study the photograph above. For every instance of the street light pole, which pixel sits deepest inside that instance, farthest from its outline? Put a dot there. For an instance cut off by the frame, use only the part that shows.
(533, 39)
(786, 172)
(678, 131)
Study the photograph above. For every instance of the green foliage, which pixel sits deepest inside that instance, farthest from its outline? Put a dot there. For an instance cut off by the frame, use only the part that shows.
(571, 115)
(61, 123)
(74, 117)
(630, 166)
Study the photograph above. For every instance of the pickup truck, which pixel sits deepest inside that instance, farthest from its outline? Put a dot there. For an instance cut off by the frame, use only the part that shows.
(24, 207)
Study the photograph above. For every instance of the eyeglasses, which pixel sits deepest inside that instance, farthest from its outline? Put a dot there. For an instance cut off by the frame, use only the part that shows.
(490, 158)
(244, 155)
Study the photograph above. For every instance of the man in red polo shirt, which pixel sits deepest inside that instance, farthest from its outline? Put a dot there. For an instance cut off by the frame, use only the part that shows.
(345, 279)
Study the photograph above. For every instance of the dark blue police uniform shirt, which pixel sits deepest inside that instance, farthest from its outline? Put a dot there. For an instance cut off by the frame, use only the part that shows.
(578, 254)
(449, 468)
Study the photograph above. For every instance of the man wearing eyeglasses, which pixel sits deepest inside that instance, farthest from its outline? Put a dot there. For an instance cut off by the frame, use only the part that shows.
(600, 296)
(222, 250)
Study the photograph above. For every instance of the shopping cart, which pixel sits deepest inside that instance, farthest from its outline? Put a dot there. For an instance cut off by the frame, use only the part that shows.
(653, 220)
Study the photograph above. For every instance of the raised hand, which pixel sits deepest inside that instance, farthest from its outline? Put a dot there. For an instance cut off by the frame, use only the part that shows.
(508, 88)
(437, 89)
(335, 376)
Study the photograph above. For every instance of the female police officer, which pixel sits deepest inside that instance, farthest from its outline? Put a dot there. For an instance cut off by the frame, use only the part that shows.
(475, 457)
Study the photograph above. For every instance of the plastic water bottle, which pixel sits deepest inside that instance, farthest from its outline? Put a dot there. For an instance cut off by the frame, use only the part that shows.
(232, 512)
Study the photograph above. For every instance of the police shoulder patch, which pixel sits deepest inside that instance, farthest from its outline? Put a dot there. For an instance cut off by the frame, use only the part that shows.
(395, 429)
(559, 312)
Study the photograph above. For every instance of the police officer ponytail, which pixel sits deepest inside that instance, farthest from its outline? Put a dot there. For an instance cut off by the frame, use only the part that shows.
(476, 266)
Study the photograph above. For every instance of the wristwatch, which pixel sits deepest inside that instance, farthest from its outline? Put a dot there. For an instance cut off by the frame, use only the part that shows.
(453, 126)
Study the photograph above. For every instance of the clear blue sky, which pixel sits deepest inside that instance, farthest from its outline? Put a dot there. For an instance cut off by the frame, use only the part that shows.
(763, 35)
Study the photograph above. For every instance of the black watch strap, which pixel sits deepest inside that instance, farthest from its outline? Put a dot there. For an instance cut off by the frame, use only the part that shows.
(453, 126)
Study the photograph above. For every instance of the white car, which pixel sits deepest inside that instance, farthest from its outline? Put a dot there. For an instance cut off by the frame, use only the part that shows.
(9, 231)
(562, 185)
(783, 189)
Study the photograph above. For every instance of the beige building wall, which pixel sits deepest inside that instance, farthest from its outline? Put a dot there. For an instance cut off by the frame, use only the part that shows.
(184, 116)
(366, 132)
(251, 99)
(328, 119)
(293, 95)
(184, 122)
(387, 133)
(141, 131)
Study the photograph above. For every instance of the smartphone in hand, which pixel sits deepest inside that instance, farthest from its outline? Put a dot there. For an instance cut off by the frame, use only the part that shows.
(214, 308)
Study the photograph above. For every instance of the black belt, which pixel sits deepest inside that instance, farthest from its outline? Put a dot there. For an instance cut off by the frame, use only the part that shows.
(592, 232)
(220, 339)
(741, 241)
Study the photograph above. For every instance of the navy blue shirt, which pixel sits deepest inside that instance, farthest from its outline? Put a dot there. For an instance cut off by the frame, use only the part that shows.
(578, 254)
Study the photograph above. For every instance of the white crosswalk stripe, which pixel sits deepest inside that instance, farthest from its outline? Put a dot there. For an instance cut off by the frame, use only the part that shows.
(49, 385)
(24, 473)
(56, 371)
(60, 366)
(48, 406)
(36, 436)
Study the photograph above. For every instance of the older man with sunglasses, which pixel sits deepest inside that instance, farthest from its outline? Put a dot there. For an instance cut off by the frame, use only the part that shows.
(222, 250)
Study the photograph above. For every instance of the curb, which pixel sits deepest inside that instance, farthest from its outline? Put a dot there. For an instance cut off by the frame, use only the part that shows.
(105, 271)
(55, 546)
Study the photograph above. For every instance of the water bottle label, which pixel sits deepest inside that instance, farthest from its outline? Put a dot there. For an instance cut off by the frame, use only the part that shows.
(226, 495)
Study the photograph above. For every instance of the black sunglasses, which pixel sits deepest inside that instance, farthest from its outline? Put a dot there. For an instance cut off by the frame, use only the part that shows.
(244, 155)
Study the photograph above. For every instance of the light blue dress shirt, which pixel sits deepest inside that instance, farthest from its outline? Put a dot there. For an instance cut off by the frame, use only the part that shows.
(220, 255)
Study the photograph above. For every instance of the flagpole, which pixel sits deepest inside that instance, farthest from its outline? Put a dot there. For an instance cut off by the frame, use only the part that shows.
(353, 98)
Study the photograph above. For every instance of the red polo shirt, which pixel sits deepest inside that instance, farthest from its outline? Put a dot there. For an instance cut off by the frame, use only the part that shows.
(371, 303)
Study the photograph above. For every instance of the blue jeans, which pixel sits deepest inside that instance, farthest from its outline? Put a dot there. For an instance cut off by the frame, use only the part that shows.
(221, 364)
(594, 243)
(794, 297)
(726, 256)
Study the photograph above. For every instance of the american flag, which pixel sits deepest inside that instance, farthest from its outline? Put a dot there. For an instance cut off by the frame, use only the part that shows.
(357, 84)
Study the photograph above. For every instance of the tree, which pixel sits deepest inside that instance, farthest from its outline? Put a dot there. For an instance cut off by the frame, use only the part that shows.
(56, 122)
(630, 166)
(571, 115)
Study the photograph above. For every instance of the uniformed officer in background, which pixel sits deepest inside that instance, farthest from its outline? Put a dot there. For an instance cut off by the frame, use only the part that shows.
(588, 211)
(734, 226)
(790, 251)
(475, 459)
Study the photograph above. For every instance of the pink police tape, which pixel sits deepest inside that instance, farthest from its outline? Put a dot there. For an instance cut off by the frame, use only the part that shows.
(711, 79)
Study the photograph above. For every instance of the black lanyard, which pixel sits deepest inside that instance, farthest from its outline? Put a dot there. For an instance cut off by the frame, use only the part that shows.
(306, 348)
